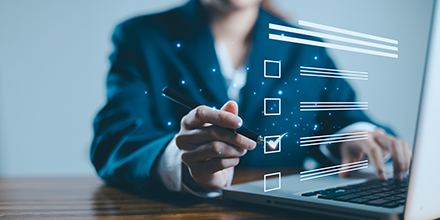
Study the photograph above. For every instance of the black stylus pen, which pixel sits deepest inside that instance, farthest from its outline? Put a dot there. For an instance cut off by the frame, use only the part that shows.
(192, 104)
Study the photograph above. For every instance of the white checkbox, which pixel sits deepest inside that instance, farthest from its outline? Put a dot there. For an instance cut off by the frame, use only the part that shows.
(266, 113)
(272, 181)
(274, 139)
(279, 68)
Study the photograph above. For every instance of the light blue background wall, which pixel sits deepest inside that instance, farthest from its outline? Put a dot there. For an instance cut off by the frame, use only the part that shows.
(53, 63)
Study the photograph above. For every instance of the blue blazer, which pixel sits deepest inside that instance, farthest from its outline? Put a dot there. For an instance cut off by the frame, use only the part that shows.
(176, 49)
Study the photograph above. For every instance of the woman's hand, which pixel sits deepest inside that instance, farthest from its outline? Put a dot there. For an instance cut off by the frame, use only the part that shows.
(378, 144)
(209, 148)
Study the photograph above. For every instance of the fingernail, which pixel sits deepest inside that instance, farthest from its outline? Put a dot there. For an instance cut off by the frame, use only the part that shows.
(252, 145)
(402, 175)
(383, 176)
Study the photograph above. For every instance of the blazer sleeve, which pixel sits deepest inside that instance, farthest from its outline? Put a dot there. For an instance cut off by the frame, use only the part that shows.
(127, 142)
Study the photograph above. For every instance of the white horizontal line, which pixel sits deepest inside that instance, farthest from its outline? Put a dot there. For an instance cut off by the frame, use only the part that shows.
(329, 174)
(334, 135)
(330, 45)
(331, 142)
(335, 70)
(348, 32)
(342, 74)
(329, 36)
(338, 77)
(334, 138)
(334, 102)
(333, 170)
(330, 167)
(326, 106)
(332, 109)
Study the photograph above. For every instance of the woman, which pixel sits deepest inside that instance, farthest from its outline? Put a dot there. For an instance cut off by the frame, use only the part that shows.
(214, 51)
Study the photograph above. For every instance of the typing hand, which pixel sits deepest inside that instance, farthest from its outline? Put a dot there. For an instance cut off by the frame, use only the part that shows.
(378, 144)
(208, 148)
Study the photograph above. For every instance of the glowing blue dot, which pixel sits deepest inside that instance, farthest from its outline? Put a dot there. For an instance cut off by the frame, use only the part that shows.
(239, 124)
(337, 88)
(255, 93)
(178, 45)
(297, 90)
(300, 118)
(325, 88)
(183, 82)
(297, 142)
(291, 113)
(235, 84)
(220, 152)
(169, 123)
(214, 108)
(329, 113)
(280, 92)
(282, 34)
(262, 83)
(146, 92)
(271, 108)
(285, 83)
(213, 70)
(232, 42)
(200, 90)
(296, 125)
(316, 58)
(273, 124)
(287, 119)
(247, 68)
(296, 79)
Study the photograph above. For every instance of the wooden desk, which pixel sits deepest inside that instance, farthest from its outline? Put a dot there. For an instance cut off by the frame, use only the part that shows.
(89, 198)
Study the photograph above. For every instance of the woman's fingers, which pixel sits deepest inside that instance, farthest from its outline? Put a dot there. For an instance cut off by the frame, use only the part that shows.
(215, 149)
(203, 170)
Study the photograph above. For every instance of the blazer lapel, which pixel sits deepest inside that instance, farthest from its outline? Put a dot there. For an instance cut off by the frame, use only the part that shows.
(257, 86)
(199, 52)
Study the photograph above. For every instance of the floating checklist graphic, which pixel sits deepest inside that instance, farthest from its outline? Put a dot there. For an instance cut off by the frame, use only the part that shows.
(272, 69)
(272, 106)
(272, 144)
(272, 181)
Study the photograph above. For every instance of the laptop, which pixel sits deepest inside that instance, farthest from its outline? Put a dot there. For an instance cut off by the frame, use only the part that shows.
(362, 195)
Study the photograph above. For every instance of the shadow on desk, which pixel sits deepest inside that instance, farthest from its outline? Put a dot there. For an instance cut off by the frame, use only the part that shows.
(90, 198)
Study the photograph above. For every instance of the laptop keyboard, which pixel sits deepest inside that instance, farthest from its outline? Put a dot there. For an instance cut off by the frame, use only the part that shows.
(388, 194)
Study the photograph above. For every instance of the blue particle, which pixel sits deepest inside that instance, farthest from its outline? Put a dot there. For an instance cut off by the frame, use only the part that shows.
(200, 90)
(296, 125)
(271, 108)
(325, 88)
(169, 123)
(255, 93)
(291, 113)
(289, 154)
(232, 42)
(183, 82)
(280, 92)
(337, 88)
(316, 58)
(285, 83)
(235, 84)
(273, 124)
(297, 90)
(297, 142)
(262, 83)
(287, 119)
(220, 152)
(304, 129)
(214, 108)
(265, 129)
(258, 129)
(213, 70)
(300, 118)
(178, 45)
(282, 34)
(329, 113)
(296, 79)
(239, 124)
(247, 68)
(146, 92)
